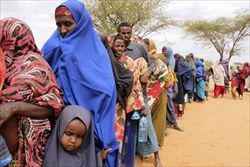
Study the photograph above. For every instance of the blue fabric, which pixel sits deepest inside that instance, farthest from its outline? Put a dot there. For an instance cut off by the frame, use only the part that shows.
(200, 84)
(170, 57)
(200, 89)
(83, 70)
(151, 146)
(183, 71)
(199, 70)
(181, 67)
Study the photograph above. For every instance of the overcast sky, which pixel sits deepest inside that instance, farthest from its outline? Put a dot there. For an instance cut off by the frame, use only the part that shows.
(39, 15)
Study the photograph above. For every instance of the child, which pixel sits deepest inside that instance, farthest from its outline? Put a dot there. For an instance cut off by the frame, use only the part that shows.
(234, 86)
(72, 140)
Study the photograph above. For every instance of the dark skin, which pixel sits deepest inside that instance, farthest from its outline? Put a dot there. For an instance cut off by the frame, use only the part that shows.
(119, 49)
(8, 116)
(126, 33)
(65, 24)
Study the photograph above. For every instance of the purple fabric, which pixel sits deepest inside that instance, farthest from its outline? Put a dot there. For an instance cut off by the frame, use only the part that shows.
(56, 156)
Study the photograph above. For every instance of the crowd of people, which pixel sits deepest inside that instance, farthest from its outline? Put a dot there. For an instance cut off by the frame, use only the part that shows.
(80, 101)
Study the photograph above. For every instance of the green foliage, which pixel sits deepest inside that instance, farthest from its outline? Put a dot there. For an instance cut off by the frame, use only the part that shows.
(145, 16)
(224, 34)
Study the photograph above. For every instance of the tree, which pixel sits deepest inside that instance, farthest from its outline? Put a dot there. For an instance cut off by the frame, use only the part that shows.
(224, 34)
(145, 16)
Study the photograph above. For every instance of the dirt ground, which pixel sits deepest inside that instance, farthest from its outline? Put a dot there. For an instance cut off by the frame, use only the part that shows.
(216, 133)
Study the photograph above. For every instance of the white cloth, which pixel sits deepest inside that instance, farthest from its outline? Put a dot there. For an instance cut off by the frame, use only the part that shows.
(219, 74)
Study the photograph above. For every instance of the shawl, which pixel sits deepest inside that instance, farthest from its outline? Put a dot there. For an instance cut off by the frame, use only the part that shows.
(123, 76)
(219, 74)
(199, 70)
(84, 156)
(75, 60)
(170, 56)
(28, 78)
(183, 71)
(181, 67)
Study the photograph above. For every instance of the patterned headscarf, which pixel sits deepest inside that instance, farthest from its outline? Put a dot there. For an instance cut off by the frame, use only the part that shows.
(2, 69)
(62, 10)
(28, 78)
(16, 40)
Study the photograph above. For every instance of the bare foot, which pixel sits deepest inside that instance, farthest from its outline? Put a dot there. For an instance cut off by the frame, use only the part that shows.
(158, 163)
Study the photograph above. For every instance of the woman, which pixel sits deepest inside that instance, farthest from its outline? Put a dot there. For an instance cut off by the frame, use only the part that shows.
(30, 94)
(155, 100)
(200, 83)
(191, 63)
(185, 82)
(219, 79)
(241, 76)
(158, 108)
(74, 52)
(135, 103)
(172, 88)
(168, 54)
(123, 76)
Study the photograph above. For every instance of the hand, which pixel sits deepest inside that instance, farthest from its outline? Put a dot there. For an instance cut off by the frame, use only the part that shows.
(104, 153)
(6, 112)
(144, 112)
(144, 77)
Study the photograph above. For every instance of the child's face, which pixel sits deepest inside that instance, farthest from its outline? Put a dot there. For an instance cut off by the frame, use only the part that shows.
(73, 135)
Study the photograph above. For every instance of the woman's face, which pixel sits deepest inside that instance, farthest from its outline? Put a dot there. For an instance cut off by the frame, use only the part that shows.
(73, 135)
(119, 47)
(65, 24)
(164, 52)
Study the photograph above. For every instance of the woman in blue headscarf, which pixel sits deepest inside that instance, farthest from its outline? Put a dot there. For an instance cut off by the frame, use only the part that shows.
(200, 84)
(83, 70)
(168, 54)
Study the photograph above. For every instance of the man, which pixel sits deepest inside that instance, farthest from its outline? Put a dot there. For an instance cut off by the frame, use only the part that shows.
(135, 50)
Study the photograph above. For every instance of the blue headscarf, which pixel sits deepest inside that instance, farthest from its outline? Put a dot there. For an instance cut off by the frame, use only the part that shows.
(199, 70)
(181, 67)
(170, 56)
(83, 70)
(183, 73)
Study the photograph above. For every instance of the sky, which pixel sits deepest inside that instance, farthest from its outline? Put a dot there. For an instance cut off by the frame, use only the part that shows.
(39, 15)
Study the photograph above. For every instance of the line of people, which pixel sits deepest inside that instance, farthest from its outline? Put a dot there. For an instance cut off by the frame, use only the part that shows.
(82, 99)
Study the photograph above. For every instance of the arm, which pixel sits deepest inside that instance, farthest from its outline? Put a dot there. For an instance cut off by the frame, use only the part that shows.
(11, 109)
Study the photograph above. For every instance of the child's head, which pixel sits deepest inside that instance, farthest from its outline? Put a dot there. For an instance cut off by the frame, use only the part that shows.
(73, 135)
(73, 128)
(71, 142)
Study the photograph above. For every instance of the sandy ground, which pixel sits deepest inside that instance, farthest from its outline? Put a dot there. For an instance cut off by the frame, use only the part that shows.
(216, 133)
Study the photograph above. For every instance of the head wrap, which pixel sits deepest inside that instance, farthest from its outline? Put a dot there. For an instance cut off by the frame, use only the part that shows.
(85, 155)
(62, 10)
(75, 59)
